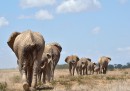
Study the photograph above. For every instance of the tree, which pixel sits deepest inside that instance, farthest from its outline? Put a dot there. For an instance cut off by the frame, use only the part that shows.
(111, 67)
(119, 66)
(128, 65)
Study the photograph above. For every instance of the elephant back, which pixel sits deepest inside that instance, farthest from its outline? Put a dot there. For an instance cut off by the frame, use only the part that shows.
(31, 38)
(104, 59)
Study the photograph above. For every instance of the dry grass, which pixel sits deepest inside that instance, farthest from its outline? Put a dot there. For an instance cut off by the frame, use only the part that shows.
(117, 80)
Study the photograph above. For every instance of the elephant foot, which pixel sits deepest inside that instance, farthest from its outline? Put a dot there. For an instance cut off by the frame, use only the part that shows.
(32, 89)
(26, 86)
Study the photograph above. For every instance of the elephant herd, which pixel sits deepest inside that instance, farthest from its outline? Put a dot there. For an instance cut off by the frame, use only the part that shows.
(37, 60)
(84, 65)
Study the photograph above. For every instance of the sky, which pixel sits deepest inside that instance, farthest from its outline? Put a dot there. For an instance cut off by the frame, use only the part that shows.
(86, 28)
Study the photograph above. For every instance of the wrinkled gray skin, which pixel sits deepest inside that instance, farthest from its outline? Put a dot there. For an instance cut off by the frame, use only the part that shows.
(103, 64)
(28, 47)
(72, 61)
(52, 54)
(81, 67)
(90, 67)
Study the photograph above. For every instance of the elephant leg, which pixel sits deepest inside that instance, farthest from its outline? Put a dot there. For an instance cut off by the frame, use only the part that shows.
(24, 76)
(105, 69)
(35, 73)
(92, 71)
(39, 76)
(86, 71)
(73, 71)
(70, 68)
(44, 77)
(101, 69)
(29, 77)
(77, 70)
(53, 75)
(48, 73)
(80, 70)
(83, 71)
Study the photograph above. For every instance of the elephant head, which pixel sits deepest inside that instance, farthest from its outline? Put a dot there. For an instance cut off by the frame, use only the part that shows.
(28, 47)
(72, 61)
(103, 64)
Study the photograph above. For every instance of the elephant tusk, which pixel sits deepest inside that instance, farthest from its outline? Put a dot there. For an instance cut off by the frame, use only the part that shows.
(43, 66)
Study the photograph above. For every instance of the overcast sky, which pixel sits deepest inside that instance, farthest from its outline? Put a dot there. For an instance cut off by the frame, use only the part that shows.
(87, 28)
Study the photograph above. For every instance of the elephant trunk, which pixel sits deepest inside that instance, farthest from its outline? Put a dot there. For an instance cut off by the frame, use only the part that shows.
(72, 61)
(52, 70)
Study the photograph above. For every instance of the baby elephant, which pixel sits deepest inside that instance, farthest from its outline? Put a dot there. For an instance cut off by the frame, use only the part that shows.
(96, 68)
(90, 67)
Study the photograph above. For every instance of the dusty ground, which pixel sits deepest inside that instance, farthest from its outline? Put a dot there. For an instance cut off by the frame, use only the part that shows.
(117, 80)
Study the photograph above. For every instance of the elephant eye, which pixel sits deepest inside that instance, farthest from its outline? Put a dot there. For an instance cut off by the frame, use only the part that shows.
(82, 62)
(48, 55)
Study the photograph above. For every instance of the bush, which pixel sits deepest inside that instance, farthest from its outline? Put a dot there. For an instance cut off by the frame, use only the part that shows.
(3, 86)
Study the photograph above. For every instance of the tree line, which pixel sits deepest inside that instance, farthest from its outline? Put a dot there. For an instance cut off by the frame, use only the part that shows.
(110, 66)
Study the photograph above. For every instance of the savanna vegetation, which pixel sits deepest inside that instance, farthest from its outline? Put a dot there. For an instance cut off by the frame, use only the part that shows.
(117, 79)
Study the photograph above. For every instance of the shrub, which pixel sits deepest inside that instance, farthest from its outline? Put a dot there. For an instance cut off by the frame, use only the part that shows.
(3, 86)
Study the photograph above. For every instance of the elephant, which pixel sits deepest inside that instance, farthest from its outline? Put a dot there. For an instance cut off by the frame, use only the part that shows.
(72, 61)
(90, 67)
(28, 47)
(52, 55)
(103, 64)
(81, 67)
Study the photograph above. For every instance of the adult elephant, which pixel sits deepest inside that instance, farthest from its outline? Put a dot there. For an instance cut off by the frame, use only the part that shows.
(28, 47)
(72, 61)
(103, 64)
(52, 53)
(81, 67)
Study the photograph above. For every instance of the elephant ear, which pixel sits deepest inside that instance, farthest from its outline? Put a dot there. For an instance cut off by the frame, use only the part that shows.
(89, 59)
(94, 63)
(77, 58)
(11, 39)
(48, 55)
(109, 58)
(66, 59)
